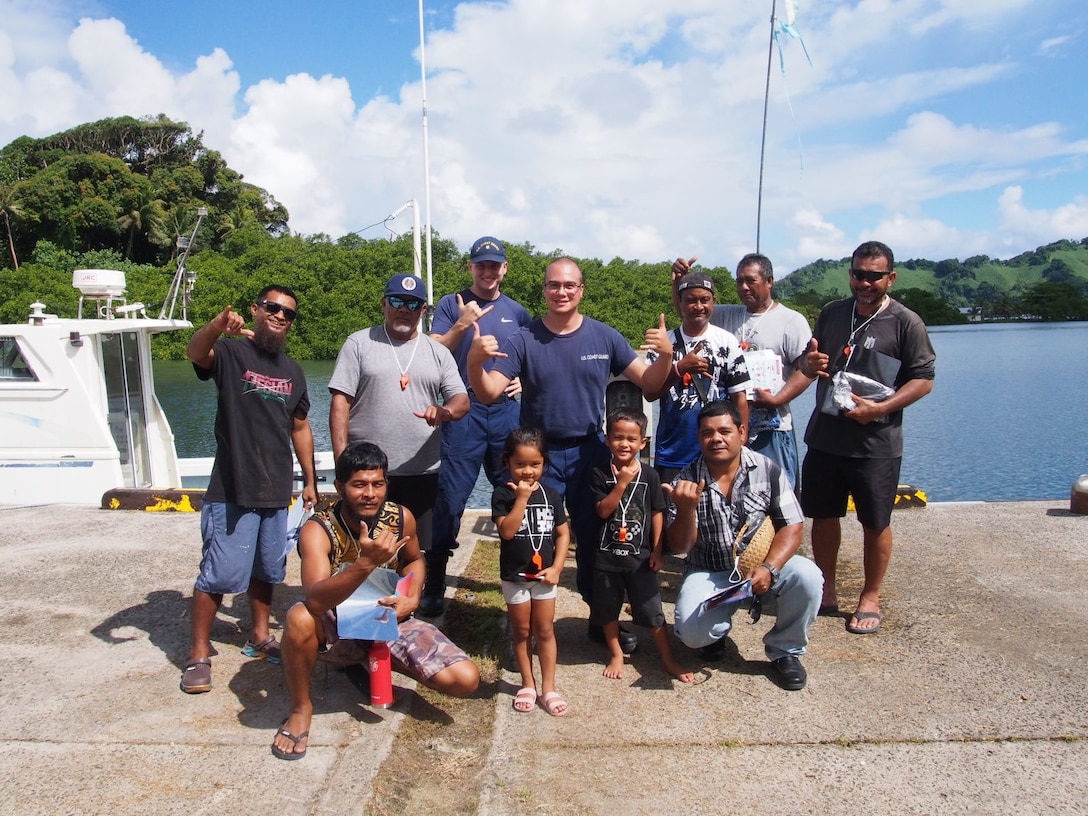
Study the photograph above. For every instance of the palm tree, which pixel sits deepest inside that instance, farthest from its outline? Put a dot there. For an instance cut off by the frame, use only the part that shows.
(145, 216)
(9, 206)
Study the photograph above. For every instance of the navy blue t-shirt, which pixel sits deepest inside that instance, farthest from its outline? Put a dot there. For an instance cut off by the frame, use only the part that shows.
(564, 376)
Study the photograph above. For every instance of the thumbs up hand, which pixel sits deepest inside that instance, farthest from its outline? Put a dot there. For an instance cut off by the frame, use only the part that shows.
(657, 338)
(816, 362)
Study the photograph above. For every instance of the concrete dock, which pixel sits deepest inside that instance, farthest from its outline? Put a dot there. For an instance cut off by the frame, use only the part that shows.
(973, 698)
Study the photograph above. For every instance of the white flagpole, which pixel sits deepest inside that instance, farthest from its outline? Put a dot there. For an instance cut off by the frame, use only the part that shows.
(763, 138)
(426, 156)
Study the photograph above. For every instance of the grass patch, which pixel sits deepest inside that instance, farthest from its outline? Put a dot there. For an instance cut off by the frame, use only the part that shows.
(441, 747)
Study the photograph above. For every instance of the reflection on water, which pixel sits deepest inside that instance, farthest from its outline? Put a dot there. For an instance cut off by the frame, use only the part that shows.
(1006, 420)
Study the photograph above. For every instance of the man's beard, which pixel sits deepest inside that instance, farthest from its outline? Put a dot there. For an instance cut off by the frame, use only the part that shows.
(269, 341)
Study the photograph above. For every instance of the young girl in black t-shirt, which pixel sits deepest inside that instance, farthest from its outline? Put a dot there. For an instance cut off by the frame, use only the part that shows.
(535, 535)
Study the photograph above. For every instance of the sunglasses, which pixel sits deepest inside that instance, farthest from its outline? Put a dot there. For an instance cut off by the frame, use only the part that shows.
(272, 308)
(866, 275)
(411, 304)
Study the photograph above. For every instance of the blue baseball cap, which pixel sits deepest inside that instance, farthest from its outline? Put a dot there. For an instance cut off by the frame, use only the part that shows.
(406, 286)
(487, 249)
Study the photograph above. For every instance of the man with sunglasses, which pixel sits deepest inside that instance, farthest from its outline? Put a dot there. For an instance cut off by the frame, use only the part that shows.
(261, 414)
(478, 439)
(716, 506)
(855, 449)
(394, 386)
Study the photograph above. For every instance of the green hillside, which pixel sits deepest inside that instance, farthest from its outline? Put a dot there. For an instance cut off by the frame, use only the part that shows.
(1025, 285)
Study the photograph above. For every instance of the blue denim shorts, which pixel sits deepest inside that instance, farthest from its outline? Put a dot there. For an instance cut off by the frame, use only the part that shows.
(241, 543)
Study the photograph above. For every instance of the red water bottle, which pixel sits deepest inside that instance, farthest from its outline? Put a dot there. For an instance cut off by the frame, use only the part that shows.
(381, 675)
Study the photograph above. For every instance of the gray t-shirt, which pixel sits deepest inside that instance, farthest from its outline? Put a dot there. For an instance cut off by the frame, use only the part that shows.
(368, 370)
(782, 330)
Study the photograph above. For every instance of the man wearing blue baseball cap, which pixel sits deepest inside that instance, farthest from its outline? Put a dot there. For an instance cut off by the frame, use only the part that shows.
(478, 439)
(394, 386)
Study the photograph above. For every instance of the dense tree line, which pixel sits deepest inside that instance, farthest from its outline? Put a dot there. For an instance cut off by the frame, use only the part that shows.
(119, 193)
(339, 284)
(128, 185)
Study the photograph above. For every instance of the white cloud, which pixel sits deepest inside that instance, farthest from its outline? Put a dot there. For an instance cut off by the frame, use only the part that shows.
(1022, 228)
(618, 127)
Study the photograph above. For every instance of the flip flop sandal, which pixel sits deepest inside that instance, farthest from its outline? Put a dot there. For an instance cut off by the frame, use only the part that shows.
(525, 700)
(853, 629)
(279, 753)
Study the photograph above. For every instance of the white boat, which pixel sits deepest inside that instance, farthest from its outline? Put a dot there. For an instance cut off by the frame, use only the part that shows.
(79, 417)
(78, 412)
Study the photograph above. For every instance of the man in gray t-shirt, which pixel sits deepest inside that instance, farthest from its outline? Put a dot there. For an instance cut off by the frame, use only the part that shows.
(394, 386)
(762, 325)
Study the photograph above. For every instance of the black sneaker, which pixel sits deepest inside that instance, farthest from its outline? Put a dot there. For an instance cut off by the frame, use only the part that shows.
(713, 651)
(791, 674)
(628, 640)
(430, 606)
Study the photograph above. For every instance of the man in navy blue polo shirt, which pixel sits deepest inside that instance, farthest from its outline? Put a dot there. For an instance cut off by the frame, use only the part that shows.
(478, 438)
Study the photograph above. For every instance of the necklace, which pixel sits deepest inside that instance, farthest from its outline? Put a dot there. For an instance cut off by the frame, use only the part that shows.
(536, 540)
(403, 371)
(749, 329)
(622, 536)
(853, 319)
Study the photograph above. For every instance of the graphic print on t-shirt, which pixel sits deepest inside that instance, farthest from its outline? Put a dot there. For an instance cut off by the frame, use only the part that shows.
(625, 531)
(276, 388)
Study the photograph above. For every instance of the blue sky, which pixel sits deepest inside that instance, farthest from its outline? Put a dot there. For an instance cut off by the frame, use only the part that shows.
(947, 128)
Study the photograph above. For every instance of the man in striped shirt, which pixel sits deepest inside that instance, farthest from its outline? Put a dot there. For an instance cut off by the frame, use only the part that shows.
(717, 504)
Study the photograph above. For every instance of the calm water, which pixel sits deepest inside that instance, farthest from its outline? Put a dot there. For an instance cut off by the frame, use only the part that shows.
(1007, 418)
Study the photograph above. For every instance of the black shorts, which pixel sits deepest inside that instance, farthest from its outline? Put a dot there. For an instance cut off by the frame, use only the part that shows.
(641, 589)
(418, 494)
(828, 480)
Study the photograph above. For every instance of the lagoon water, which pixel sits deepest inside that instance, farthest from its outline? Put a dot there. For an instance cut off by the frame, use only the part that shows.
(1007, 418)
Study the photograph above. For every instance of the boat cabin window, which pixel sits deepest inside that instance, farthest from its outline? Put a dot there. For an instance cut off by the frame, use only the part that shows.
(13, 365)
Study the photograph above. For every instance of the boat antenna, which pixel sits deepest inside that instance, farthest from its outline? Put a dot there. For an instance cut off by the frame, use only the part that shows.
(182, 284)
(763, 137)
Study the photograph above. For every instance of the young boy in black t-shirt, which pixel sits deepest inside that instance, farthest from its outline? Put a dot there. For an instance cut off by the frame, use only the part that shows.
(629, 499)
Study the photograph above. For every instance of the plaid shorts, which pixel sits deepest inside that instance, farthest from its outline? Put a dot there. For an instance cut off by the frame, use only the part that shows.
(421, 651)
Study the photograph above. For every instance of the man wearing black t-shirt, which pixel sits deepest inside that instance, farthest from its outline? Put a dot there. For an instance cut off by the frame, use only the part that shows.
(261, 415)
(855, 437)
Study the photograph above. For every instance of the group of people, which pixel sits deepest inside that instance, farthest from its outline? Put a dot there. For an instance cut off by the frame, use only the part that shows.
(414, 417)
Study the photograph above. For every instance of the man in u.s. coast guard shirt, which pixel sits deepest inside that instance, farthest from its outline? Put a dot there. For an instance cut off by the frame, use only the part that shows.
(565, 361)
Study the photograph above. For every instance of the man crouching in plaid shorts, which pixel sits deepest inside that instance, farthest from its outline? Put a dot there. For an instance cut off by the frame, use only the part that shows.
(340, 547)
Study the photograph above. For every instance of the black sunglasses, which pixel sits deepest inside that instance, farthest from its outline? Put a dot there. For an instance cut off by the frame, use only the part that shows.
(411, 304)
(272, 308)
(866, 275)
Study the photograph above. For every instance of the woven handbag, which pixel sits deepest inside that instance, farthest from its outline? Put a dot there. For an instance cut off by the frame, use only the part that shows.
(756, 551)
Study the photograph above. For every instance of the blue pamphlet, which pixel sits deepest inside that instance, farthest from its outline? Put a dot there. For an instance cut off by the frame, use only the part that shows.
(360, 617)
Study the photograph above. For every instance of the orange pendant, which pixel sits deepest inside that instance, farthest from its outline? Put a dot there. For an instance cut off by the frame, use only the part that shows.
(538, 562)
(744, 345)
(403, 382)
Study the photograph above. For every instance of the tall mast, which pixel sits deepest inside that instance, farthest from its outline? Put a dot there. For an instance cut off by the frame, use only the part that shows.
(763, 138)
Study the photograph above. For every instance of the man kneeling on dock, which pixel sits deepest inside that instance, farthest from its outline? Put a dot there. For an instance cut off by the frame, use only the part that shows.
(340, 547)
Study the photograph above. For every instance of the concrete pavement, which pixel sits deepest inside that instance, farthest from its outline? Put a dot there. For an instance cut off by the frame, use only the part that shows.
(973, 697)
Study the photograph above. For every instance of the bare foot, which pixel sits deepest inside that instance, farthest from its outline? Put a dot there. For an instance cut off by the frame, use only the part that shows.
(293, 737)
(678, 671)
(614, 669)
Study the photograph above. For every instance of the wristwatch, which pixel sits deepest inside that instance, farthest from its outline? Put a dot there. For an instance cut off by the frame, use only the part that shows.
(774, 571)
